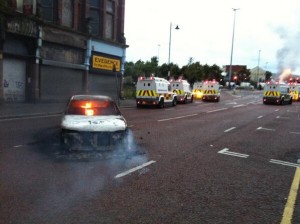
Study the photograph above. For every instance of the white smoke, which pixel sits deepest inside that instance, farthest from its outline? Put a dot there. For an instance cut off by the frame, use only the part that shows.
(285, 75)
(288, 56)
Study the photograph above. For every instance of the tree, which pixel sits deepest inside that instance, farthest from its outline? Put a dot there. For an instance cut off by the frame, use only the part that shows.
(268, 75)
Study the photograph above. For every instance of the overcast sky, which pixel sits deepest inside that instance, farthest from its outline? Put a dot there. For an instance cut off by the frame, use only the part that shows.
(206, 26)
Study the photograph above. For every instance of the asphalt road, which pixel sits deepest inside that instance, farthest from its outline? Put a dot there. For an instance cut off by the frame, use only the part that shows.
(228, 162)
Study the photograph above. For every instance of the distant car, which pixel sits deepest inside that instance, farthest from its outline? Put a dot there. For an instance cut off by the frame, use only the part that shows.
(92, 122)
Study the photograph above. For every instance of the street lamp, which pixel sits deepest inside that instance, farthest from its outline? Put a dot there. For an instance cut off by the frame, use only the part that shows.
(258, 65)
(230, 67)
(176, 28)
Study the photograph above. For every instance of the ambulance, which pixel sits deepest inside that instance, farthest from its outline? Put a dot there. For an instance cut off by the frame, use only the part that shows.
(295, 91)
(154, 91)
(211, 91)
(183, 90)
(198, 90)
(277, 93)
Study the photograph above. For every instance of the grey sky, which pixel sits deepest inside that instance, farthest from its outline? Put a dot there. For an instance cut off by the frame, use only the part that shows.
(206, 31)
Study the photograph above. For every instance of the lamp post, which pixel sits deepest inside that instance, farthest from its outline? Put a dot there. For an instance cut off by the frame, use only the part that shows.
(170, 38)
(258, 65)
(232, 42)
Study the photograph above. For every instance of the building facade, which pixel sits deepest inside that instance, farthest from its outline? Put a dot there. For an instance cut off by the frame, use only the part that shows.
(52, 49)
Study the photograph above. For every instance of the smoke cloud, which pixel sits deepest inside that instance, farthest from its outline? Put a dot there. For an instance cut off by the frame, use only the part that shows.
(288, 56)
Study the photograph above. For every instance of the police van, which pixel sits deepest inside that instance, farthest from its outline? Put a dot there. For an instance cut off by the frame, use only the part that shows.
(295, 91)
(154, 91)
(277, 93)
(198, 90)
(183, 90)
(211, 91)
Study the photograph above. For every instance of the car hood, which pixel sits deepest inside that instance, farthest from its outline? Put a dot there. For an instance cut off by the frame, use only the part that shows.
(94, 123)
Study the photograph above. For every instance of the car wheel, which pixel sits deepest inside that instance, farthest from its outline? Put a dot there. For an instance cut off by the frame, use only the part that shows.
(174, 102)
(161, 103)
(185, 100)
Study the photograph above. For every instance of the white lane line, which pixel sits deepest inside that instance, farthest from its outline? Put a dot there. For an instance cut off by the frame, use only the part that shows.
(231, 103)
(284, 163)
(265, 129)
(225, 151)
(259, 117)
(282, 117)
(130, 126)
(174, 118)
(240, 105)
(296, 133)
(277, 110)
(230, 129)
(211, 111)
(18, 146)
(134, 169)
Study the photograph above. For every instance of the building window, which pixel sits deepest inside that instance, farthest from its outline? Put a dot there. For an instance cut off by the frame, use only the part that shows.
(110, 19)
(95, 17)
(67, 13)
(49, 10)
(28, 7)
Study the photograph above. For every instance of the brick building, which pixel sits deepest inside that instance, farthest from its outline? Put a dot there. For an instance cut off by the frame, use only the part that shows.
(51, 49)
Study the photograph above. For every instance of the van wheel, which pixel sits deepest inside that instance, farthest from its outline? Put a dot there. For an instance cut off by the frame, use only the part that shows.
(161, 103)
(192, 99)
(174, 102)
(291, 101)
(185, 100)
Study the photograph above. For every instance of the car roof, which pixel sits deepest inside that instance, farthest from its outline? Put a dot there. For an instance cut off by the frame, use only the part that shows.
(91, 97)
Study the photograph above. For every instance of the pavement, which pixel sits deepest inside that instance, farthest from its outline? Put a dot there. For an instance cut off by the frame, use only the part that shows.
(18, 110)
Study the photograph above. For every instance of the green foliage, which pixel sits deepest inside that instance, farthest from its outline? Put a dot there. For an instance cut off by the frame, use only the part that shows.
(268, 75)
(193, 71)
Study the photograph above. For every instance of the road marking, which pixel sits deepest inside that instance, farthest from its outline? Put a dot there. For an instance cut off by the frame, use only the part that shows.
(265, 129)
(231, 103)
(240, 105)
(284, 163)
(277, 110)
(18, 146)
(282, 117)
(174, 118)
(134, 169)
(296, 133)
(225, 151)
(259, 117)
(211, 111)
(130, 126)
(230, 129)
(290, 204)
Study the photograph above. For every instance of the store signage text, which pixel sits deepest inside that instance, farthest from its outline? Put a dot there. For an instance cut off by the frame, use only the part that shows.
(105, 63)
(22, 27)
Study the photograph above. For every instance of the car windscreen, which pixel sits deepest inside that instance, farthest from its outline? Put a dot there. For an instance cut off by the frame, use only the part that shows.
(92, 108)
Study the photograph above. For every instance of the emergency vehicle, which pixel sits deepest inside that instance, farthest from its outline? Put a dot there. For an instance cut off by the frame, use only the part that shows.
(278, 93)
(295, 91)
(154, 91)
(183, 90)
(198, 90)
(211, 91)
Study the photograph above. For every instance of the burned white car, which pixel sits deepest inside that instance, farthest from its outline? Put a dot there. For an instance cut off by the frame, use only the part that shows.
(92, 122)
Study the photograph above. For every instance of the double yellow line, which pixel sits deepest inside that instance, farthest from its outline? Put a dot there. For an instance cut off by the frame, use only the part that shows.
(290, 204)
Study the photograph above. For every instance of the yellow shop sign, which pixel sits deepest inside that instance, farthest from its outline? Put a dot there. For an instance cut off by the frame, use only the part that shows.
(104, 63)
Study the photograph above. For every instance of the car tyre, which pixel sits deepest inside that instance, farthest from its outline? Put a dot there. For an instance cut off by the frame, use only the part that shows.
(161, 103)
(174, 102)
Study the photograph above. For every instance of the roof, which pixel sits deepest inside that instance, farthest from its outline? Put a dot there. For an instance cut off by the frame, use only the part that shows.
(91, 97)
